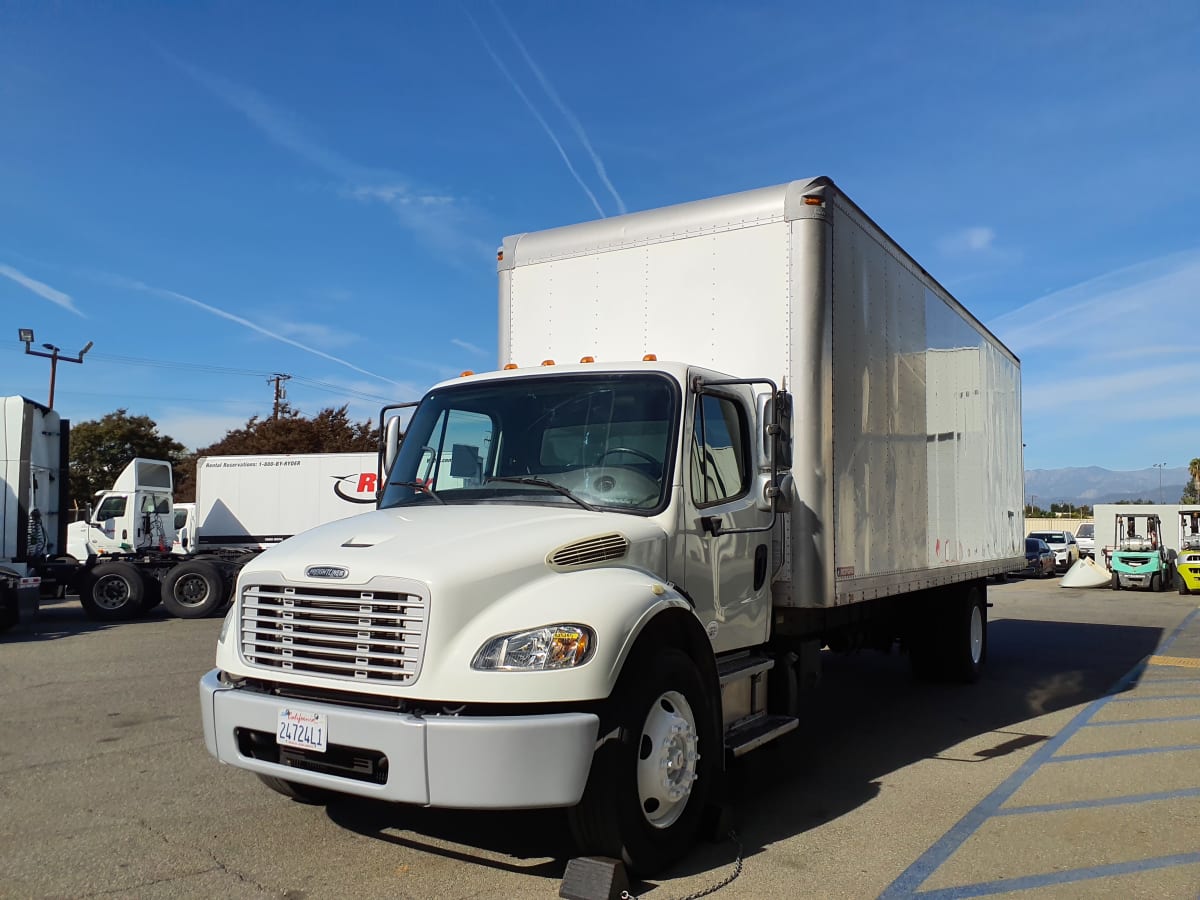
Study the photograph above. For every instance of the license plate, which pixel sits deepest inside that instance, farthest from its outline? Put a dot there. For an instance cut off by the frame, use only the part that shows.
(303, 730)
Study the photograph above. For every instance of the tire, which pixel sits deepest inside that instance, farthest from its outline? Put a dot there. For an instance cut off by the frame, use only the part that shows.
(647, 791)
(1183, 588)
(950, 642)
(194, 589)
(301, 793)
(1155, 583)
(1116, 582)
(966, 641)
(112, 592)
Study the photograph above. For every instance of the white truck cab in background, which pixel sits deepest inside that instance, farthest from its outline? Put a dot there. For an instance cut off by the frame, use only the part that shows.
(590, 584)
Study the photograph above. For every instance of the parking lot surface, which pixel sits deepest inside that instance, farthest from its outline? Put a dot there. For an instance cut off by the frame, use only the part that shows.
(1071, 770)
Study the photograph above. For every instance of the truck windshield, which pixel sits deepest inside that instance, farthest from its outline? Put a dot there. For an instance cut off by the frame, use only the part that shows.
(597, 441)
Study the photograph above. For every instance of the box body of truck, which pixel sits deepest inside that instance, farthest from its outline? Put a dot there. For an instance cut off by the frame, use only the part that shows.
(908, 466)
(254, 501)
(33, 441)
(727, 434)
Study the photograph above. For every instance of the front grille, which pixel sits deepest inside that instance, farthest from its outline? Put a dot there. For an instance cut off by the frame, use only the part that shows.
(1134, 561)
(355, 635)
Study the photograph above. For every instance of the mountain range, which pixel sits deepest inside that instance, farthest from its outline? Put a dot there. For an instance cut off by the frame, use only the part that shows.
(1091, 485)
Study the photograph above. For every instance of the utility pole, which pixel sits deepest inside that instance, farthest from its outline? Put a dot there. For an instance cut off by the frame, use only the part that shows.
(280, 391)
(1159, 466)
(55, 354)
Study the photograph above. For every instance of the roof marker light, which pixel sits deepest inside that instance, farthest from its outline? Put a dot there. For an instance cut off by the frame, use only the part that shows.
(812, 200)
(510, 366)
(650, 357)
(464, 373)
(587, 359)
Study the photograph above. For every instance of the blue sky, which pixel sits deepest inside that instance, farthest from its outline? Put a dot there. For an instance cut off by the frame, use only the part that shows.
(215, 192)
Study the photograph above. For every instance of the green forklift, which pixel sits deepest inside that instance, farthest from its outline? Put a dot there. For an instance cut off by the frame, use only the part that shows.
(1139, 557)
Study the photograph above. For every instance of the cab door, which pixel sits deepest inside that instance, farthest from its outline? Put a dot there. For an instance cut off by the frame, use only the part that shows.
(727, 537)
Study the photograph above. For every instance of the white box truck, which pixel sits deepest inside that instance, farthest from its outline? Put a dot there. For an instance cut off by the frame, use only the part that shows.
(243, 505)
(591, 584)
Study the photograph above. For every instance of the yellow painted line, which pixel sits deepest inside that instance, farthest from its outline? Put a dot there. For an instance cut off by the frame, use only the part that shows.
(1183, 662)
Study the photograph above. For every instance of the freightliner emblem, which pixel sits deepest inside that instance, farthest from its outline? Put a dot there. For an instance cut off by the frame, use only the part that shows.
(326, 572)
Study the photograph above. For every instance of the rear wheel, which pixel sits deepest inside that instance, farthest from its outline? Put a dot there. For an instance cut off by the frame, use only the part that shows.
(194, 589)
(112, 592)
(950, 643)
(647, 791)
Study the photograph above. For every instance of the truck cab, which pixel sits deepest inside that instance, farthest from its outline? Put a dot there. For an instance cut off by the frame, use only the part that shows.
(591, 546)
(135, 514)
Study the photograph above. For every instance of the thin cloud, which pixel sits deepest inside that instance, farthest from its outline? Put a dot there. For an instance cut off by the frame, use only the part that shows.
(246, 323)
(470, 348)
(537, 115)
(977, 239)
(42, 289)
(438, 219)
(571, 118)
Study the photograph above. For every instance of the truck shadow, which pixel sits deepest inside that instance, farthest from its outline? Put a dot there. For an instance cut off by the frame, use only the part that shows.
(868, 720)
(64, 618)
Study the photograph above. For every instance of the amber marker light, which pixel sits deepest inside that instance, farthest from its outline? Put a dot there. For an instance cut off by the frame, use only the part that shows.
(464, 373)
(547, 362)
(510, 366)
(810, 200)
(587, 359)
(650, 357)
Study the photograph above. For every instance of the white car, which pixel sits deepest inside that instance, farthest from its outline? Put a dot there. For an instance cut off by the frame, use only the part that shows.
(1085, 538)
(1066, 550)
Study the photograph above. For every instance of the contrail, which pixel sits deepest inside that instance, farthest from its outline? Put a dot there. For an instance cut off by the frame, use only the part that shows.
(576, 125)
(533, 109)
(42, 289)
(246, 323)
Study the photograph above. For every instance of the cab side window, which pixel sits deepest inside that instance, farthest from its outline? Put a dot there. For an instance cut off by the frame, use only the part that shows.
(720, 459)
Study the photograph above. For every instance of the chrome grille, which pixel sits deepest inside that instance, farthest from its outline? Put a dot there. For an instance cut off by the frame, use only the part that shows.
(374, 636)
(592, 550)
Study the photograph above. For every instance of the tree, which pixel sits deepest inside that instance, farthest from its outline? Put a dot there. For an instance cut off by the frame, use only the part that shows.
(101, 449)
(329, 431)
(1191, 491)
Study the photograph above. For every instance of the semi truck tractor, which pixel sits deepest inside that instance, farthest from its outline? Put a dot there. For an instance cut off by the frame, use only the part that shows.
(728, 437)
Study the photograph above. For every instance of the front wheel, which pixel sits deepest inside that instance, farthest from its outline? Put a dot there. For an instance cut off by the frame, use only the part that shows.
(647, 791)
(1116, 582)
(112, 592)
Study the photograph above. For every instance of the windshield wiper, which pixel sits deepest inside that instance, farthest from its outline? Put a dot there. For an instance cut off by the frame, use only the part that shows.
(541, 482)
(422, 487)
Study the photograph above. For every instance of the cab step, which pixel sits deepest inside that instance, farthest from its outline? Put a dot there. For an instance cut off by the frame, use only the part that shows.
(756, 732)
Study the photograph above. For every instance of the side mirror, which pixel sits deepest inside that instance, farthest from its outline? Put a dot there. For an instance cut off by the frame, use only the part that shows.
(393, 437)
(781, 431)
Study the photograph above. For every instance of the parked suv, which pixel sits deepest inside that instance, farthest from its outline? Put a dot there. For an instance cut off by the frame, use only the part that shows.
(1085, 538)
(1066, 550)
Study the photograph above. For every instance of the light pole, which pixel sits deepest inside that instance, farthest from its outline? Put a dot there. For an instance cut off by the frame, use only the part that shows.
(1159, 466)
(55, 354)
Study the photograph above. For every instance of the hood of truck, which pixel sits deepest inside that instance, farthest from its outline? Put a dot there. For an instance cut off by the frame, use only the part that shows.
(455, 544)
(475, 571)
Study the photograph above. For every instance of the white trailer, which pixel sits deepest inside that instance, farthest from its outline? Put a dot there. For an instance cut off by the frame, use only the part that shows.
(620, 571)
(252, 502)
(32, 512)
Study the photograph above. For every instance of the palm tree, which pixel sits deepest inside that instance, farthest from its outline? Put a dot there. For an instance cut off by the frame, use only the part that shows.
(1192, 493)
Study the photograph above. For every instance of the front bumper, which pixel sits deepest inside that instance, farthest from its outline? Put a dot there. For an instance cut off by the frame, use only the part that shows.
(1130, 580)
(467, 762)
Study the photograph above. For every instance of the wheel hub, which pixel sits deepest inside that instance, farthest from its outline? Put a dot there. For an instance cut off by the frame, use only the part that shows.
(667, 758)
(111, 592)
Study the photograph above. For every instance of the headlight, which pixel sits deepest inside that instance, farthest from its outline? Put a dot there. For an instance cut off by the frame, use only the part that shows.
(539, 650)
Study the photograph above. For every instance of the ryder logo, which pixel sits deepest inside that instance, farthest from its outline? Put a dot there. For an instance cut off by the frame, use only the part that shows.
(356, 488)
